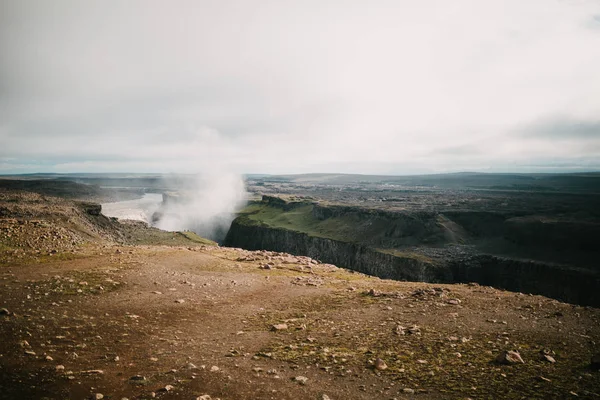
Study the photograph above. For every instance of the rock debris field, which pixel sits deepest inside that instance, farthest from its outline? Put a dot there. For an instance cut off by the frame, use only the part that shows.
(94, 309)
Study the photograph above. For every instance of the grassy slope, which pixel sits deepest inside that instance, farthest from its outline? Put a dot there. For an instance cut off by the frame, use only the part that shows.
(347, 228)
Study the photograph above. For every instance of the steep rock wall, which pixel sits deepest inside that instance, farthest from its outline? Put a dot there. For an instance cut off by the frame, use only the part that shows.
(566, 284)
(343, 254)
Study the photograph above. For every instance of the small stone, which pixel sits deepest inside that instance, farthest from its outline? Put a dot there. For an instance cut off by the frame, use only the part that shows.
(509, 357)
(93, 372)
(279, 327)
(324, 397)
(138, 378)
(167, 388)
(204, 397)
(30, 352)
(179, 301)
(301, 380)
(214, 368)
(4, 311)
(548, 358)
(543, 379)
(400, 330)
(59, 368)
(380, 365)
(453, 301)
(408, 391)
(98, 396)
(48, 358)
(414, 330)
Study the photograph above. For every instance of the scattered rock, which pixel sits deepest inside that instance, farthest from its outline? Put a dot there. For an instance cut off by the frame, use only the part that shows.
(179, 301)
(301, 380)
(414, 330)
(400, 330)
(548, 358)
(4, 311)
(98, 396)
(453, 301)
(167, 388)
(138, 378)
(204, 397)
(279, 327)
(92, 372)
(214, 368)
(380, 365)
(324, 397)
(59, 368)
(509, 357)
(408, 391)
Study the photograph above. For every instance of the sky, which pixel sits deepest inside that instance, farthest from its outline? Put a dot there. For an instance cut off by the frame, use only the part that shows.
(297, 86)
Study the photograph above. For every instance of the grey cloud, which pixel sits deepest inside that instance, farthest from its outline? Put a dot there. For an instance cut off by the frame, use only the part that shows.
(295, 86)
(563, 129)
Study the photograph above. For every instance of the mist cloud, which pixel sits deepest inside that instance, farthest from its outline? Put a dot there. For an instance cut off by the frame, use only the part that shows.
(206, 205)
(298, 86)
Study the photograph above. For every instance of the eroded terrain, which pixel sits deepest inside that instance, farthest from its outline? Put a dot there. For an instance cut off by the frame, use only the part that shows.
(94, 308)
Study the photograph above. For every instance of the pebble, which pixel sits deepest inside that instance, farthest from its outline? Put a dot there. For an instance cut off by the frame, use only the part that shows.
(548, 358)
(380, 365)
(98, 396)
(301, 380)
(408, 391)
(279, 327)
(509, 357)
(214, 368)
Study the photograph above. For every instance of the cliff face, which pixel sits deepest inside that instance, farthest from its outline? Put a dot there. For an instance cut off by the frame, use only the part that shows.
(572, 285)
(348, 255)
(375, 242)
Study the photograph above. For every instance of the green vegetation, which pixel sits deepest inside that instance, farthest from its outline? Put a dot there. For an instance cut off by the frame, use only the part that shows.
(348, 227)
(192, 236)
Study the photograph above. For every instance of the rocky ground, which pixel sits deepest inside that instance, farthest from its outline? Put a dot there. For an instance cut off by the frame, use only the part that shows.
(91, 308)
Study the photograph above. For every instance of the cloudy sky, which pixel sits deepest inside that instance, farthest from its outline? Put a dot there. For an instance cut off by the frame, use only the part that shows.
(286, 86)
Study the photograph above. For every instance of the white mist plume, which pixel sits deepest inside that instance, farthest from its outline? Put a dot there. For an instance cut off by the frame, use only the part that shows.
(205, 204)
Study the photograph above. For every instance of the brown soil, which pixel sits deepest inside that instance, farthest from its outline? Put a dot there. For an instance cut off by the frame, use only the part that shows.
(110, 302)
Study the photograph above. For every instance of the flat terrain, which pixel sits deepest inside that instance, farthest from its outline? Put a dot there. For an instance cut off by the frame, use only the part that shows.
(91, 306)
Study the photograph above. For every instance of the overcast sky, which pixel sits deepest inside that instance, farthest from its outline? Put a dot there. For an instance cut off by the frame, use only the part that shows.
(285, 86)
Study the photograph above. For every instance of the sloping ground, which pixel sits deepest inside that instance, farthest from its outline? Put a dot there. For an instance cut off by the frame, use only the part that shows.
(373, 228)
(181, 322)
